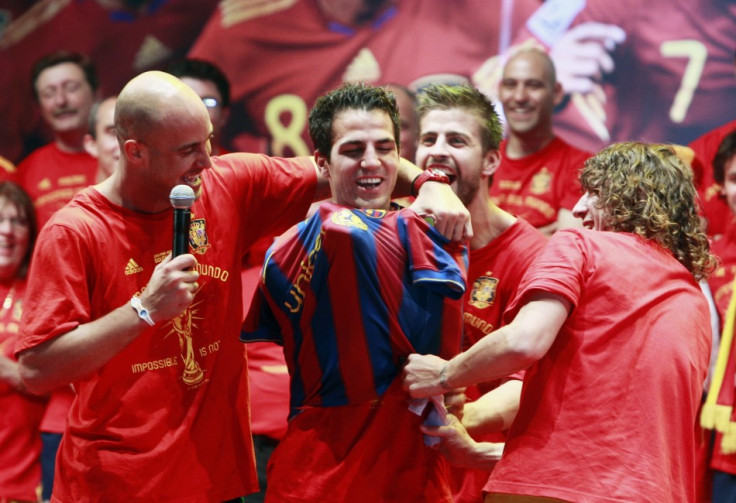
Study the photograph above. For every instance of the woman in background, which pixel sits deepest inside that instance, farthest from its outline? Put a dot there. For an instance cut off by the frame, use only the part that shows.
(20, 442)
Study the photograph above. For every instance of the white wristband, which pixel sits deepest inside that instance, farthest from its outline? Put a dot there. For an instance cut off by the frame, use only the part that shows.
(143, 313)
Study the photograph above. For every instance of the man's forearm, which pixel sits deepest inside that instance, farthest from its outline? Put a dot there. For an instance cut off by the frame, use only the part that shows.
(407, 172)
(79, 352)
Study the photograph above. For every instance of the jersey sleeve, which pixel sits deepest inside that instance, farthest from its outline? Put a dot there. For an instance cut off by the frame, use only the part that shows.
(560, 269)
(434, 261)
(58, 292)
(265, 321)
(271, 193)
(260, 322)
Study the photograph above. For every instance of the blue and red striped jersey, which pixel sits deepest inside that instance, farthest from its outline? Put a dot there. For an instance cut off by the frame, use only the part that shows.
(350, 294)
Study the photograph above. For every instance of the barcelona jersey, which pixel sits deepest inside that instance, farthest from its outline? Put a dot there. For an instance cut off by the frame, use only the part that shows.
(350, 294)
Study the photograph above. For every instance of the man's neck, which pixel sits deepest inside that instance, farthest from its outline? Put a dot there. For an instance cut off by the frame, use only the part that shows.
(71, 141)
(489, 221)
(130, 195)
(521, 145)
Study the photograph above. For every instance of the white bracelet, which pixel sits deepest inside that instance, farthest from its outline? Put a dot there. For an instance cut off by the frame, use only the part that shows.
(143, 313)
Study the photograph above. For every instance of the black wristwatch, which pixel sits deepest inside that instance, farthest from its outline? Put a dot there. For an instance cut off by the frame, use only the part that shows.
(428, 175)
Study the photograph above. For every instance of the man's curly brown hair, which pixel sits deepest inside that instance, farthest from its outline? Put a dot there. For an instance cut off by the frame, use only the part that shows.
(645, 189)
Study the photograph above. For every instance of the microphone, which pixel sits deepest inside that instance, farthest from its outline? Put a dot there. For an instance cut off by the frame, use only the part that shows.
(181, 197)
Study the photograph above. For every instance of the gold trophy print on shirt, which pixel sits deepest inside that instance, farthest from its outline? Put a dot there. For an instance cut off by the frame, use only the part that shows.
(182, 325)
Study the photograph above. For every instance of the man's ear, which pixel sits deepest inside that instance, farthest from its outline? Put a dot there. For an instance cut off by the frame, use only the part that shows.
(558, 93)
(134, 151)
(322, 163)
(491, 161)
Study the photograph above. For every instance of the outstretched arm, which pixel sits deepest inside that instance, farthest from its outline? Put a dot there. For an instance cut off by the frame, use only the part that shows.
(509, 349)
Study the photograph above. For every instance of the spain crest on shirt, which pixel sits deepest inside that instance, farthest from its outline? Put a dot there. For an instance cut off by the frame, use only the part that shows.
(198, 236)
(484, 292)
(541, 182)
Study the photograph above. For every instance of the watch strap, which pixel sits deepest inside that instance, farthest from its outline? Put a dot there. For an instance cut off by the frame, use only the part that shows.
(427, 176)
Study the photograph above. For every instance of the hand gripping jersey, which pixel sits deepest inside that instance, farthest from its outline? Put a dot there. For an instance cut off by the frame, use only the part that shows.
(351, 293)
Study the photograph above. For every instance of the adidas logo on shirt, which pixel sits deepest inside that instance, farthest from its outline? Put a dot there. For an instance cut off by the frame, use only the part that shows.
(132, 267)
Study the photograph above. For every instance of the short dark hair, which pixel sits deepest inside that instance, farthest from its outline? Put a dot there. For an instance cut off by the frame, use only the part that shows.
(15, 194)
(203, 70)
(466, 97)
(726, 151)
(349, 96)
(56, 58)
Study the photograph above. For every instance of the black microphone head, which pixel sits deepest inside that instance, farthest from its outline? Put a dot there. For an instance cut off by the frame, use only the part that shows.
(182, 197)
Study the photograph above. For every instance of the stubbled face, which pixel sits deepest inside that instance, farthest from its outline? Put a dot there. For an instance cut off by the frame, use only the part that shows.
(105, 145)
(14, 238)
(586, 210)
(450, 142)
(65, 97)
(729, 183)
(527, 93)
(363, 161)
(180, 151)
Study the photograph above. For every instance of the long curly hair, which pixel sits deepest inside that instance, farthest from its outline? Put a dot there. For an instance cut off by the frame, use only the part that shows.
(645, 189)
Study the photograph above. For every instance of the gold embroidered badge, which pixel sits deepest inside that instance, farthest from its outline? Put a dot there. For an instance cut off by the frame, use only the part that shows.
(198, 236)
(484, 291)
(541, 182)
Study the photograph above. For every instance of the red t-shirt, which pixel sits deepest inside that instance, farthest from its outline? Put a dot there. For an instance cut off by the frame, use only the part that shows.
(273, 49)
(52, 178)
(714, 206)
(493, 275)
(537, 186)
(371, 451)
(167, 417)
(608, 414)
(20, 442)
